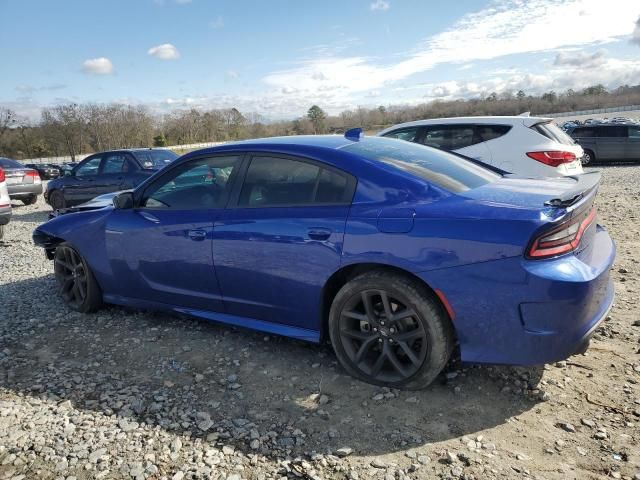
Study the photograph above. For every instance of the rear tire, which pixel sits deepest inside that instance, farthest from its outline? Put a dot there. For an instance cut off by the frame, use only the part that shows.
(76, 283)
(588, 158)
(56, 200)
(387, 329)
(30, 200)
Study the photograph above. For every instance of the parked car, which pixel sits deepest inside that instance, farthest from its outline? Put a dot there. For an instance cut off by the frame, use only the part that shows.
(5, 203)
(105, 172)
(526, 146)
(66, 167)
(45, 170)
(394, 251)
(608, 142)
(23, 183)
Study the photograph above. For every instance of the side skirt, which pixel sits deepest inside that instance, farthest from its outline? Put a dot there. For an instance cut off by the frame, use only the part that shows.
(304, 334)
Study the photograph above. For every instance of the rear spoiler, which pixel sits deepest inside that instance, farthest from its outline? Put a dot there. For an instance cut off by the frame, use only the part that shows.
(585, 183)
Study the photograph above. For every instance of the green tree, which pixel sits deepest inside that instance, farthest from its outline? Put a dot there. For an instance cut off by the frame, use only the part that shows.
(316, 115)
(520, 95)
(160, 140)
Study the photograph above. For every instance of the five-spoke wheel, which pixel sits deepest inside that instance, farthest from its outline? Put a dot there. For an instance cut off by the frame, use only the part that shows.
(389, 330)
(77, 286)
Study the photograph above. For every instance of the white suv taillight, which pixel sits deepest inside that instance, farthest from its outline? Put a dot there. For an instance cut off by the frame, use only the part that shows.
(553, 158)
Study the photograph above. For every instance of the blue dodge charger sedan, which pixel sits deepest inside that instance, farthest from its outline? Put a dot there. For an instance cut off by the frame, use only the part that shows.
(394, 251)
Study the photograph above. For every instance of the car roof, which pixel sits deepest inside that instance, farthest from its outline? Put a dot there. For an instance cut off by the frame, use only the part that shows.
(497, 119)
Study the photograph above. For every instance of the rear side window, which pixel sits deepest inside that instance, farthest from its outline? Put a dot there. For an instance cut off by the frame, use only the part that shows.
(634, 132)
(443, 169)
(408, 134)
(275, 181)
(555, 133)
(116, 163)
(490, 132)
(88, 167)
(450, 137)
(584, 132)
(612, 132)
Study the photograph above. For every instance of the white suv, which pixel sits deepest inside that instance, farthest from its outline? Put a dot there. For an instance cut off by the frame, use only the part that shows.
(526, 146)
(5, 203)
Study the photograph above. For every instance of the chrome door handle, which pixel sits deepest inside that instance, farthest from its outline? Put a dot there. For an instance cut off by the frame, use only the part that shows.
(197, 235)
(318, 233)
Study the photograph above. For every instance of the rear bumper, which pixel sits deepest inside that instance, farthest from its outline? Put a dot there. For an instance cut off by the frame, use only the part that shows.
(24, 190)
(529, 312)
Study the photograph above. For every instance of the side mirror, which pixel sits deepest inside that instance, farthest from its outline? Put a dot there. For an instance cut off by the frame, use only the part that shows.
(123, 201)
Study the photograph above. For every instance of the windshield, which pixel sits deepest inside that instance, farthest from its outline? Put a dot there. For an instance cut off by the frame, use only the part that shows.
(155, 158)
(553, 132)
(8, 163)
(443, 169)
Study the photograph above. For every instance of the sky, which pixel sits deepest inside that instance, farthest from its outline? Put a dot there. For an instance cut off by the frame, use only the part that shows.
(278, 57)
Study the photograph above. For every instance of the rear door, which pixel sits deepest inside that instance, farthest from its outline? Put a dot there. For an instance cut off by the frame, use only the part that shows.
(281, 238)
(114, 171)
(611, 142)
(81, 185)
(632, 149)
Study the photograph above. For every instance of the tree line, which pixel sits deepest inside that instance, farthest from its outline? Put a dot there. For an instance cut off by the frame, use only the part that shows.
(71, 129)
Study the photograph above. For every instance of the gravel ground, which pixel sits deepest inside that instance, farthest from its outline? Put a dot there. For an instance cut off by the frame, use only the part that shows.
(122, 394)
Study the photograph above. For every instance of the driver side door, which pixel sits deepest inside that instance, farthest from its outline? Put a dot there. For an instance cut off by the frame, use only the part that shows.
(80, 186)
(162, 248)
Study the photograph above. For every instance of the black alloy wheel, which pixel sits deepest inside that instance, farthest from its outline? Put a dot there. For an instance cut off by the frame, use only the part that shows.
(76, 283)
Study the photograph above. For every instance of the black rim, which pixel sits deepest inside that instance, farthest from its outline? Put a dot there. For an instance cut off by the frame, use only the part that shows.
(71, 276)
(383, 336)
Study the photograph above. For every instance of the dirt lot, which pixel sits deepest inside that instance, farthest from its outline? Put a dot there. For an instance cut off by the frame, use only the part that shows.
(120, 394)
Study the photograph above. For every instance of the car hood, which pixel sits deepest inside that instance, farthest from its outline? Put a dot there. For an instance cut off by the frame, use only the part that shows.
(101, 201)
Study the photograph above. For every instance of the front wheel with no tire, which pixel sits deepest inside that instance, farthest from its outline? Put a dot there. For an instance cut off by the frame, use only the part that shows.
(76, 284)
(389, 330)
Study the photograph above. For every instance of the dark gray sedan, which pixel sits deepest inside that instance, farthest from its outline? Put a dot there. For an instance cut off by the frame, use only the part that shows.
(23, 183)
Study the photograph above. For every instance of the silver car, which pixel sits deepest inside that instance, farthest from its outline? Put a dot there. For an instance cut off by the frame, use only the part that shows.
(23, 183)
(5, 203)
(608, 142)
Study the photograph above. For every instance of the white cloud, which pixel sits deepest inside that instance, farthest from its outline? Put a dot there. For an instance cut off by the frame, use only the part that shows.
(580, 59)
(379, 5)
(217, 23)
(166, 51)
(98, 66)
(504, 28)
(232, 74)
(635, 36)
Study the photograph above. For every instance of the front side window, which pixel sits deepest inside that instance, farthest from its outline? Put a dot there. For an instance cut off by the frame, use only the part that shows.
(275, 181)
(88, 167)
(634, 132)
(450, 137)
(408, 134)
(201, 183)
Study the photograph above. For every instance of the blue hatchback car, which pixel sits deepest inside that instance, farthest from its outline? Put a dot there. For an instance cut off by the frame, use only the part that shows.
(394, 251)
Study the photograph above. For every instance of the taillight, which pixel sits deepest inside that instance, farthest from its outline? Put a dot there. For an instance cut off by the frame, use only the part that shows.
(2, 176)
(562, 239)
(553, 158)
(34, 174)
